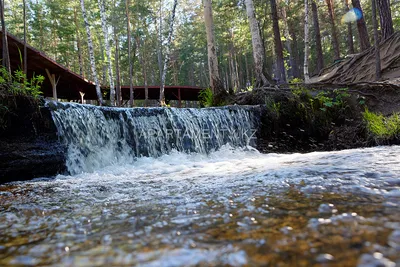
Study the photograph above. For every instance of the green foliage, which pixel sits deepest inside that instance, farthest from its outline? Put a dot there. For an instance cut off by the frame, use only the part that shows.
(16, 85)
(381, 127)
(206, 97)
(273, 107)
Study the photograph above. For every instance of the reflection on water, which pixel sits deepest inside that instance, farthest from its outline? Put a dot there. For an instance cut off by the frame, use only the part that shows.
(232, 207)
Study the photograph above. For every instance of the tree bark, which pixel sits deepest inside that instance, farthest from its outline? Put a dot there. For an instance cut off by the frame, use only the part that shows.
(376, 43)
(215, 81)
(335, 42)
(362, 28)
(6, 56)
(258, 48)
(128, 29)
(350, 43)
(280, 64)
(318, 43)
(385, 18)
(108, 50)
(306, 43)
(91, 54)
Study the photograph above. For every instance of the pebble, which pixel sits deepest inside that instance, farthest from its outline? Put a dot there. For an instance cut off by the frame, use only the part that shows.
(374, 260)
(324, 258)
(327, 208)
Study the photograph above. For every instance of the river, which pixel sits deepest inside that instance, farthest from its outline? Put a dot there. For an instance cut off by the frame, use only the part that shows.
(230, 206)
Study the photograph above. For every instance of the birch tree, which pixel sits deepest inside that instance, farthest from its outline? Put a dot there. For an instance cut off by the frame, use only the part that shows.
(258, 48)
(108, 50)
(167, 53)
(306, 43)
(91, 53)
(128, 29)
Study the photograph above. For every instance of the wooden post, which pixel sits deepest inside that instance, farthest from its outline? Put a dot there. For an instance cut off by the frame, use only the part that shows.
(52, 78)
(179, 98)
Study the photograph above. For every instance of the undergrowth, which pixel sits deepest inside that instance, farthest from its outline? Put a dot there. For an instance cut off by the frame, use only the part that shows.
(17, 85)
(382, 128)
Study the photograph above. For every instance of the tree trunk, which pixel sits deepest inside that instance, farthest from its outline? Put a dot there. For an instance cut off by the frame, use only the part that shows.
(117, 71)
(159, 45)
(144, 72)
(258, 48)
(335, 42)
(215, 81)
(350, 42)
(376, 43)
(306, 43)
(167, 53)
(288, 43)
(91, 54)
(108, 51)
(78, 42)
(25, 50)
(362, 27)
(128, 29)
(280, 64)
(6, 56)
(318, 43)
(386, 18)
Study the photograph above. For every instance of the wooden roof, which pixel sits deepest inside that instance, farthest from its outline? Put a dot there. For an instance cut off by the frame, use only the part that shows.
(70, 83)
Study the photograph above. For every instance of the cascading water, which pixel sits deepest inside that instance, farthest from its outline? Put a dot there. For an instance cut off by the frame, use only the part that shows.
(137, 198)
(100, 136)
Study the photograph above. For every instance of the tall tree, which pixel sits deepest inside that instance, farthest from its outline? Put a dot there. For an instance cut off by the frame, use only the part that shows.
(78, 42)
(335, 41)
(362, 27)
(306, 43)
(167, 53)
(215, 80)
(108, 50)
(262, 78)
(376, 42)
(6, 56)
(280, 65)
(350, 43)
(25, 49)
(385, 15)
(317, 32)
(91, 53)
(128, 29)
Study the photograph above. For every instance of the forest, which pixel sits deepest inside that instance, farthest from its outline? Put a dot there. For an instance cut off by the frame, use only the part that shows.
(225, 44)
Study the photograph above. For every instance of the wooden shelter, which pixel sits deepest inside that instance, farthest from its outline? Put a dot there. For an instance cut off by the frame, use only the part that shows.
(62, 83)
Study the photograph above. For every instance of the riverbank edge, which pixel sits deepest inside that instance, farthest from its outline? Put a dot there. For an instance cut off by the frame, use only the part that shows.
(29, 145)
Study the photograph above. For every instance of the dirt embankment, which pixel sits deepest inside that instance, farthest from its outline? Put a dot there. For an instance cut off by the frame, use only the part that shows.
(297, 119)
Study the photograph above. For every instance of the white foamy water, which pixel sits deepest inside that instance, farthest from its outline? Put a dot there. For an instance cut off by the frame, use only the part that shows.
(112, 214)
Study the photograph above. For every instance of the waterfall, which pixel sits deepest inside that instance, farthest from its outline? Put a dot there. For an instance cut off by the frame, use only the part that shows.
(101, 136)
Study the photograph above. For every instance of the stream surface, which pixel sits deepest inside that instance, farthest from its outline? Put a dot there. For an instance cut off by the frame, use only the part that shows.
(231, 207)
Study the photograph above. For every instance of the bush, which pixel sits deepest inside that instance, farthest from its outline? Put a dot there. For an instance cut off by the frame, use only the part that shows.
(206, 97)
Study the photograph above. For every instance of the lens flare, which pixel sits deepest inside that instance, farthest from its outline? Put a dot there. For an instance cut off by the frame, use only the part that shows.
(354, 14)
